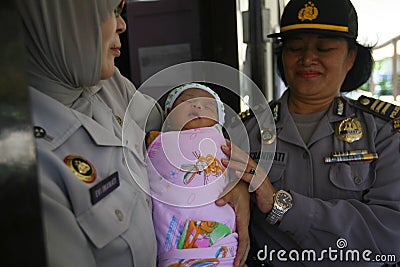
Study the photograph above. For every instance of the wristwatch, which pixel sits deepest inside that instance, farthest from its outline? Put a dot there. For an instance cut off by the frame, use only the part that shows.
(283, 201)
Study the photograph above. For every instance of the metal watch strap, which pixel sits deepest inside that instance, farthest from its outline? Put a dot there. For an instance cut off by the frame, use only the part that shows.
(274, 215)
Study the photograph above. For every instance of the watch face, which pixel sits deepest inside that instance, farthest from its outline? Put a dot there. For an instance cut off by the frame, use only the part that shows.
(284, 199)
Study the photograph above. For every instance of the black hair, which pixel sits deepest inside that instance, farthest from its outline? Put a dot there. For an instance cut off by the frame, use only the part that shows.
(357, 75)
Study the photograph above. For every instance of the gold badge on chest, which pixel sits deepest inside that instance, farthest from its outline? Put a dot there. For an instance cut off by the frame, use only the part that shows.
(81, 167)
(349, 130)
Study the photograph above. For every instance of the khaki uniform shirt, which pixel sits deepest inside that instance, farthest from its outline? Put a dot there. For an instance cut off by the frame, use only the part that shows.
(352, 203)
(94, 213)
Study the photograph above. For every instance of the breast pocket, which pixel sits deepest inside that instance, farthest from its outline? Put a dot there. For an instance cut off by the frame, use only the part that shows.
(110, 217)
(353, 176)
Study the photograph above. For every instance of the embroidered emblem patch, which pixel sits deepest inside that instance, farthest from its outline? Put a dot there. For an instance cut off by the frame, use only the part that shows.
(308, 12)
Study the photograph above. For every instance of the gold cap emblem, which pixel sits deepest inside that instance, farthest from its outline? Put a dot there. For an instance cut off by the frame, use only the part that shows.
(309, 12)
(349, 130)
(81, 167)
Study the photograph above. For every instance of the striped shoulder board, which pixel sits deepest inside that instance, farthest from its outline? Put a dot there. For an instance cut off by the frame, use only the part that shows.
(378, 107)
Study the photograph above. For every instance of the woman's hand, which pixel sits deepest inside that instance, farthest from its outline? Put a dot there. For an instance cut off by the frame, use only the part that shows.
(248, 170)
(239, 199)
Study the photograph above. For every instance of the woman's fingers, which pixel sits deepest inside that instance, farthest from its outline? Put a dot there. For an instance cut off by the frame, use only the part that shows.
(245, 167)
(243, 244)
(252, 174)
(235, 165)
(235, 153)
(245, 176)
(239, 199)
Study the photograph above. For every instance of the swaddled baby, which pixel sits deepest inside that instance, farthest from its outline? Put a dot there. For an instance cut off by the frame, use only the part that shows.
(186, 177)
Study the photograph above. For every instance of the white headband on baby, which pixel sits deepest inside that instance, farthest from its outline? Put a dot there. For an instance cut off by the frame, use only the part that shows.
(173, 95)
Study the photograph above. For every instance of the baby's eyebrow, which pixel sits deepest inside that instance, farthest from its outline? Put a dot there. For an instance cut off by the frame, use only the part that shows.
(188, 95)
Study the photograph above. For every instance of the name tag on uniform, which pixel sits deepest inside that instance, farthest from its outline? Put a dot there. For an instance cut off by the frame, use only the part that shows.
(103, 188)
(268, 156)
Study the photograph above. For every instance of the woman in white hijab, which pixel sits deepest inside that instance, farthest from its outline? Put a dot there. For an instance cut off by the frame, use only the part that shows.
(94, 214)
(94, 211)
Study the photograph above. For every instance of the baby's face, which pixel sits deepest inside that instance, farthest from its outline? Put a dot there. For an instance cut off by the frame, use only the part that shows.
(194, 108)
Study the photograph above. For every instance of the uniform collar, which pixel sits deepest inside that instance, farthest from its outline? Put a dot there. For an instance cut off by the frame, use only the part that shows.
(64, 122)
(340, 108)
(285, 126)
(284, 122)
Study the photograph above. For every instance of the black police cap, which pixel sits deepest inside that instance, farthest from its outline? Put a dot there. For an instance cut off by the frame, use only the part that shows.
(332, 17)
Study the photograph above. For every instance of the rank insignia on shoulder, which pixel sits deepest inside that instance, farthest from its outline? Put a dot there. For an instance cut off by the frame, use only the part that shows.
(81, 167)
(246, 114)
(242, 116)
(378, 107)
(396, 124)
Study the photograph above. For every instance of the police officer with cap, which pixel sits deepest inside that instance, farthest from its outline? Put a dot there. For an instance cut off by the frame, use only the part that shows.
(334, 182)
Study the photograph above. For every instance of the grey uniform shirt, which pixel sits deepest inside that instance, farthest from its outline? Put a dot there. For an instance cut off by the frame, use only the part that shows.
(358, 202)
(102, 222)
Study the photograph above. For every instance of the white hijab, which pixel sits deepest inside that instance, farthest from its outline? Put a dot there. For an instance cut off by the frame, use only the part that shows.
(63, 40)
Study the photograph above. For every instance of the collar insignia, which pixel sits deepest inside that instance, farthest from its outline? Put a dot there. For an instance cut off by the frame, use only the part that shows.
(308, 12)
(339, 106)
(276, 112)
(119, 120)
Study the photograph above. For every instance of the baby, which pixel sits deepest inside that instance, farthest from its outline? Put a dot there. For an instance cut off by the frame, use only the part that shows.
(186, 177)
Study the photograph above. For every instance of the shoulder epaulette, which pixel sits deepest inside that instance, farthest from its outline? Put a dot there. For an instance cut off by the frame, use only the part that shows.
(247, 114)
(382, 109)
(244, 115)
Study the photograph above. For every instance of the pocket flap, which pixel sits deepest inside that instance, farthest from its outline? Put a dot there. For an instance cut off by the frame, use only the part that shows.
(110, 217)
(355, 176)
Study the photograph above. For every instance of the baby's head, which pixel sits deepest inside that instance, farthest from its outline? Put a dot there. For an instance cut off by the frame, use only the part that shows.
(192, 106)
